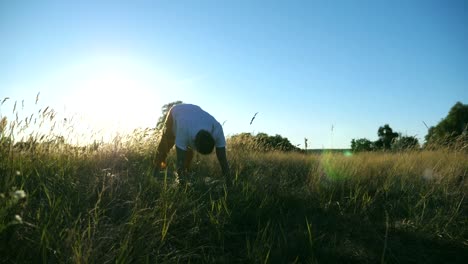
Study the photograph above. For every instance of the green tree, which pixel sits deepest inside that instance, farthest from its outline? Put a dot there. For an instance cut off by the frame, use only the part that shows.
(164, 110)
(386, 137)
(362, 144)
(451, 127)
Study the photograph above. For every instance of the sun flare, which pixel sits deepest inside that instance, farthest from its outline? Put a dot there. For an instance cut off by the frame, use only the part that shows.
(114, 95)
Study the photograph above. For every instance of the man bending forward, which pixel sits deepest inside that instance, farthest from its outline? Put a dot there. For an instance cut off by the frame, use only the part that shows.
(189, 128)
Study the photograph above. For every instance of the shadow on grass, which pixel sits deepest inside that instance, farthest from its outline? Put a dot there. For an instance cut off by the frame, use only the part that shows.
(277, 223)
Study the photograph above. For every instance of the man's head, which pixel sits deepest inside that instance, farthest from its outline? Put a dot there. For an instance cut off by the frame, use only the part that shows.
(204, 142)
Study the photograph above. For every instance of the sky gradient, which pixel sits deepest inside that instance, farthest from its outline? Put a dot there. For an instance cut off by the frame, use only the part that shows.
(305, 66)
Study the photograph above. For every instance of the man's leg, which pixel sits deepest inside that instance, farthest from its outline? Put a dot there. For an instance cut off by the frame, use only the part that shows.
(188, 156)
(188, 159)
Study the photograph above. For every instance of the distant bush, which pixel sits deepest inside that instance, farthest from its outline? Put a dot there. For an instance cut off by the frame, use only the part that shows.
(405, 143)
(388, 140)
(362, 144)
(261, 142)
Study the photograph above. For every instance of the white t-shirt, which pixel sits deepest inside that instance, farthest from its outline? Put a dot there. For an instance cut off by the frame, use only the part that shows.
(189, 120)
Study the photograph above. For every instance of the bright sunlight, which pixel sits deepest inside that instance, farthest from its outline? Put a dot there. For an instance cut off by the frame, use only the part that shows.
(114, 94)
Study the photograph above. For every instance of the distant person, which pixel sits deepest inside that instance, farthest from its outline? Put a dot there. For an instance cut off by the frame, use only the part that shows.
(190, 128)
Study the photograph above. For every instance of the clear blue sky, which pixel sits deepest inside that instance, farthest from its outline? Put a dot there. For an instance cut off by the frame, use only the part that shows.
(305, 66)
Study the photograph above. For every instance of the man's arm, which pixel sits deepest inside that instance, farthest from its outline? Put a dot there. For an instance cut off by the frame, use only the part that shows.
(166, 142)
(221, 155)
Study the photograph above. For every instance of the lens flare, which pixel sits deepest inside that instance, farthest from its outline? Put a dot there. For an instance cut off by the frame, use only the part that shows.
(332, 165)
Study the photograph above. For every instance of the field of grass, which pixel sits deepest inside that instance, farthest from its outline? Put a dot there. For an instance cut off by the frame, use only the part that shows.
(102, 204)
(70, 205)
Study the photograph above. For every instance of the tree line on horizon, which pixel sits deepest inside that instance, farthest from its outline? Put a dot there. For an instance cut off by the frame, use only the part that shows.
(449, 132)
